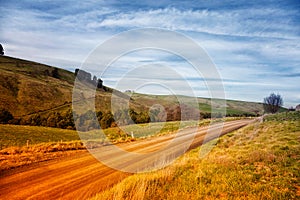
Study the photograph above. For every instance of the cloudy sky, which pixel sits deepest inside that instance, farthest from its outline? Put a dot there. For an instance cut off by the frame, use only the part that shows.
(255, 45)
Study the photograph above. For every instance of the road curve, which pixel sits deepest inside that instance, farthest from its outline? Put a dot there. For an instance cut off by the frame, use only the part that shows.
(82, 176)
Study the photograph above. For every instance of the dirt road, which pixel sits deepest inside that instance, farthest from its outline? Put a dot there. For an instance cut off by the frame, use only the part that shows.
(82, 176)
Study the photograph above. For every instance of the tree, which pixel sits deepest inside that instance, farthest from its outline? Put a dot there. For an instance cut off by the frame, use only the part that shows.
(5, 116)
(99, 83)
(76, 72)
(107, 120)
(272, 103)
(1, 50)
(55, 73)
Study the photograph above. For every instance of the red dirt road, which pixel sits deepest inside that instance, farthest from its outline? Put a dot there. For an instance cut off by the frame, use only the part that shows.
(82, 176)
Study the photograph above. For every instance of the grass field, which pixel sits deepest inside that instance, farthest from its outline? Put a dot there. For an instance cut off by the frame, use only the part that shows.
(260, 161)
(21, 145)
(19, 136)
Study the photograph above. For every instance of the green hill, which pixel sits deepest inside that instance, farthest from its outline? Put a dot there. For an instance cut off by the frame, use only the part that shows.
(233, 107)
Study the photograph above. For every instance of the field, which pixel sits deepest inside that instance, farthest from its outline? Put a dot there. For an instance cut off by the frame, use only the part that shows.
(19, 136)
(260, 161)
(21, 145)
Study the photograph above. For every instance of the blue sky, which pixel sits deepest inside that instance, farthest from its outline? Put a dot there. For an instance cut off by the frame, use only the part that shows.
(254, 45)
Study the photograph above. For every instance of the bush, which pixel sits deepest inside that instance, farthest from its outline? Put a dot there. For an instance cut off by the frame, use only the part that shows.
(5, 116)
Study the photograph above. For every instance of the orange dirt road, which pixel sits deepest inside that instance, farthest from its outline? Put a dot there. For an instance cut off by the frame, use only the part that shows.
(82, 176)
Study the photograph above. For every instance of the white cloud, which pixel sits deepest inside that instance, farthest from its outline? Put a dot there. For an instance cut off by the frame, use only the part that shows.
(249, 45)
(234, 23)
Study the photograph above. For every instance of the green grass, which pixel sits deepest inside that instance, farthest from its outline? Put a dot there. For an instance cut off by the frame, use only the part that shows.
(154, 129)
(21, 145)
(17, 135)
(141, 131)
(284, 116)
(233, 107)
(204, 107)
(260, 161)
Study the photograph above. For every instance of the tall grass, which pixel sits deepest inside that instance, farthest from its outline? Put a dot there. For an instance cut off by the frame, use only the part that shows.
(260, 161)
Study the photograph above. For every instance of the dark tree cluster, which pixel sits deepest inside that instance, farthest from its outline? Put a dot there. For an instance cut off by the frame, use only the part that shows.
(1, 50)
(86, 77)
(245, 114)
(272, 103)
(208, 115)
(130, 116)
(90, 120)
(52, 119)
(5, 116)
(65, 120)
(54, 73)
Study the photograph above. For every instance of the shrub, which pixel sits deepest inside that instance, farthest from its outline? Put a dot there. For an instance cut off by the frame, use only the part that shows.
(5, 116)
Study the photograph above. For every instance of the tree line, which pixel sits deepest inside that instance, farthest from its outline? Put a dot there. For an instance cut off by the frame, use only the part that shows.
(90, 120)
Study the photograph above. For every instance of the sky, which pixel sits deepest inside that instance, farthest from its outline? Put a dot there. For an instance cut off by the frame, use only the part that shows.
(254, 45)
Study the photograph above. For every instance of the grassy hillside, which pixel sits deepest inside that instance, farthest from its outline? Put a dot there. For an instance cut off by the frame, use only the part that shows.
(28, 87)
(260, 161)
(232, 106)
(36, 93)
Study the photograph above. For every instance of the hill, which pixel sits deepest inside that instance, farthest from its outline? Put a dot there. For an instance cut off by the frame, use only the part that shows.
(38, 94)
(30, 91)
(233, 107)
(29, 87)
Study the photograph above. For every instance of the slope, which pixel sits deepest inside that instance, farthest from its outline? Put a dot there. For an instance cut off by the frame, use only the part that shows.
(29, 88)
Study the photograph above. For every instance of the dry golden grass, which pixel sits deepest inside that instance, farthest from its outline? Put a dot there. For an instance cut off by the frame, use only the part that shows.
(260, 161)
(12, 157)
(25, 88)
